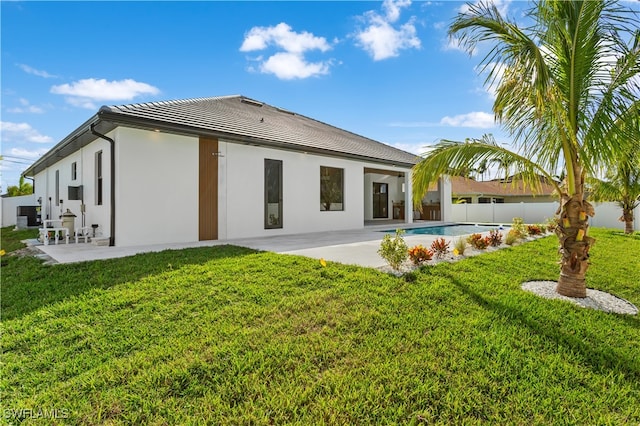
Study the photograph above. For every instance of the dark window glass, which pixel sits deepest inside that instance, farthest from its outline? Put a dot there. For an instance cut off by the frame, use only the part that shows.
(331, 189)
(272, 194)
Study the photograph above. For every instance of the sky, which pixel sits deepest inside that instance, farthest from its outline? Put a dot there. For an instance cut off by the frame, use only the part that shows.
(385, 70)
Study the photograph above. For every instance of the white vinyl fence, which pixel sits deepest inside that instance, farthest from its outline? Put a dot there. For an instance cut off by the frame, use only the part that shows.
(9, 207)
(607, 214)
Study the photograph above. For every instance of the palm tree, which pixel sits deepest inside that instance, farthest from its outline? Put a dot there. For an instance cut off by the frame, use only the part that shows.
(563, 86)
(622, 183)
(23, 188)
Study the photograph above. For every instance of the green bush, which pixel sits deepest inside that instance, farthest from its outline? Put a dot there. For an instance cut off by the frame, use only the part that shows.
(518, 228)
(394, 250)
(512, 237)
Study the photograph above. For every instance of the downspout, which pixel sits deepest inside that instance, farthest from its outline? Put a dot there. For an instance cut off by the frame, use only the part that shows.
(112, 143)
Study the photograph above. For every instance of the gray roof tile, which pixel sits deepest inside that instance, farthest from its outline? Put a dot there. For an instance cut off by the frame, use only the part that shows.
(240, 117)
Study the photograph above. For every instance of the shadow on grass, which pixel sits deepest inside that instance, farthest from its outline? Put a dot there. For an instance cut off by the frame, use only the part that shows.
(28, 285)
(600, 358)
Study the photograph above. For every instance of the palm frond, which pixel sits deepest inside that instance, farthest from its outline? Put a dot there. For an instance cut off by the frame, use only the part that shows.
(456, 158)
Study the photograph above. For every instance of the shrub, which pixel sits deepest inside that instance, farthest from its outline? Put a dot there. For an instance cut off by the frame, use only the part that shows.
(419, 255)
(519, 228)
(534, 230)
(512, 237)
(459, 247)
(394, 250)
(477, 242)
(552, 224)
(440, 248)
(495, 238)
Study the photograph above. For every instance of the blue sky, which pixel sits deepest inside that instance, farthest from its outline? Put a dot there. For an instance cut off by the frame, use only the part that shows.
(385, 70)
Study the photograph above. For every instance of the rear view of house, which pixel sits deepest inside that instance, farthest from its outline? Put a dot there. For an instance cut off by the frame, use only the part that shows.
(218, 168)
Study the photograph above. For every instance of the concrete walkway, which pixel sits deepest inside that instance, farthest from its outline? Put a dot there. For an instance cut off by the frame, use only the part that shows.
(356, 247)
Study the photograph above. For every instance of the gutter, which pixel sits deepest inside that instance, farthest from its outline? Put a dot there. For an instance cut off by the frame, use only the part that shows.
(112, 224)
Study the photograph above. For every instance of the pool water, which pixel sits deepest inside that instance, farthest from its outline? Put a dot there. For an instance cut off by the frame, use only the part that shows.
(449, 230)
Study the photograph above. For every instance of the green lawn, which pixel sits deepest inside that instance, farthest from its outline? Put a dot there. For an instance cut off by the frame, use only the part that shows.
(228, 335)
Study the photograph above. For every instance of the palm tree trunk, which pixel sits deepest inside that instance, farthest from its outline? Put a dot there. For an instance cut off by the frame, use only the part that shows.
(574, 245)
(627, 218)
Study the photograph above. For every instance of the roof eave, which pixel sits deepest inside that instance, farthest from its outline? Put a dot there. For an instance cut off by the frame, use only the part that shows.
(76, 140)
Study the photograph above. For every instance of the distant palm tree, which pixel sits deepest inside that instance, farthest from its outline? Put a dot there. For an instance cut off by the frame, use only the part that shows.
(622, 183)
(563, 86)
(23, 188)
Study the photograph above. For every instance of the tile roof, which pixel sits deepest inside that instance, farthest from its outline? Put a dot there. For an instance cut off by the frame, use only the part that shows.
(461, 186)
(240, 118)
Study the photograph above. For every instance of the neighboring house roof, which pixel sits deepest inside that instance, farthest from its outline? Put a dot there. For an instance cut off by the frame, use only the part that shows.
(236, 118)
(461, 187)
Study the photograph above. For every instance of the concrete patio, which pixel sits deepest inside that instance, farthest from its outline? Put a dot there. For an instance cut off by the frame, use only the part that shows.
(355, 247)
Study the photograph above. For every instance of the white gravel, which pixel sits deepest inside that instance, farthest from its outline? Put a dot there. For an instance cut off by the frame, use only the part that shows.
(595, 299)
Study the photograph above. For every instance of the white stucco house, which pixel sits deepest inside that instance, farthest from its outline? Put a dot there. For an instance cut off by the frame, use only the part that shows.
(218, 168)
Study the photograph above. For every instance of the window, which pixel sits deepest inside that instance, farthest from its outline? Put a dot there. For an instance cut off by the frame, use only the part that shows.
(57, 187)
(99, 178)
(74, 171)
(272, 194)
(331, 189)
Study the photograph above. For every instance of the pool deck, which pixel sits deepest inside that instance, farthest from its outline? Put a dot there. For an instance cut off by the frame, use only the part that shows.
(355, 247)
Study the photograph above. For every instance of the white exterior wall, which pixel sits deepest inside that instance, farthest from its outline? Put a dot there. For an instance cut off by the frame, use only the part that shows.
(156, 197)
(241, 198)
(9, 205)
(156, 187)
(244, 193)
(45, 187)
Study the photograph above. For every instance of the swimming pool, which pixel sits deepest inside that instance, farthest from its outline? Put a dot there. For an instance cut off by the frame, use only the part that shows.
(449, 230)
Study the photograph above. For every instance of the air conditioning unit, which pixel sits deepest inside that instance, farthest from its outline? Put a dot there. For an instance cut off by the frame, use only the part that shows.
(75, 193)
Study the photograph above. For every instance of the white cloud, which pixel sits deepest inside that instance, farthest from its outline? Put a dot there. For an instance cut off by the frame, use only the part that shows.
(501, 5)
(392, 8)
(381, 39)
(282, 36)
(25, 107)
(289, 62)
(478, 120)
(33, 71)
(31, 154)
(83, 93)
(288, 66)
(491, 86)
(21, 132)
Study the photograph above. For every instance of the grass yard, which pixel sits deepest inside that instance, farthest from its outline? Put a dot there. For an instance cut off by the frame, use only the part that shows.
(228, 335)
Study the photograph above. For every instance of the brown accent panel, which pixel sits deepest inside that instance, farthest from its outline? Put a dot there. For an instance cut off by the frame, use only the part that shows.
(208, 190)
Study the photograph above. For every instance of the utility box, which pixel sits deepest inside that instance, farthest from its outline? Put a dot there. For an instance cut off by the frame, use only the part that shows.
(31, 213)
